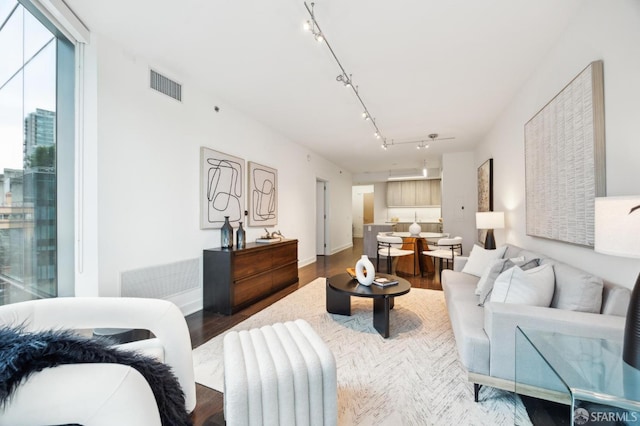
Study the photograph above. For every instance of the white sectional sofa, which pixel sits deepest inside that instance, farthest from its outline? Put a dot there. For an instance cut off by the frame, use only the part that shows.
(582, 305)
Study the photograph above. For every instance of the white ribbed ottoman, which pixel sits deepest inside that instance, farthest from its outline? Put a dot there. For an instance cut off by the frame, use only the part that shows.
(280, 374)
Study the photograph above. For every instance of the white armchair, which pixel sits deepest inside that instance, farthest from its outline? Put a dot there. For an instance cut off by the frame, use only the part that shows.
(99, 394)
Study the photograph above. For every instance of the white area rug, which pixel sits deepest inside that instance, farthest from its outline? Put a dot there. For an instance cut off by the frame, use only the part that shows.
(411, 378)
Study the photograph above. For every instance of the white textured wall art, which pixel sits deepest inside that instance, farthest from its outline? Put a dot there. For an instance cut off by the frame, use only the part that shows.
(564, 156)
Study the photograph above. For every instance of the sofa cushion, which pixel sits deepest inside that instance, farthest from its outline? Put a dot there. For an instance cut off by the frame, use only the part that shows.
(479, 259)
(533, 287)
(615, 300)
(458, 285)
(576, 290)
(499, 267)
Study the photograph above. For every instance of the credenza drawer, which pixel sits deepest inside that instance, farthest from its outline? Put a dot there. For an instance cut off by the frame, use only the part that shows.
(251, 263)
(285, 276)
(251, 288)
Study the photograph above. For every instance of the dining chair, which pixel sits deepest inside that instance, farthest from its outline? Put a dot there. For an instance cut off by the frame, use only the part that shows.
(390, 247)
(446, 250)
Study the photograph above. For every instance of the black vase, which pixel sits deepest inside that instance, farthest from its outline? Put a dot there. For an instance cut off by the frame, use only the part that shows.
(226, 234)
(631, 348)
(240, 238)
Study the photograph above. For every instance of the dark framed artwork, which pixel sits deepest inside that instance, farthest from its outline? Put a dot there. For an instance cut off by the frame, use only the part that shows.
(565, 161)
(221, 188)
(263, 195)
(485, 193)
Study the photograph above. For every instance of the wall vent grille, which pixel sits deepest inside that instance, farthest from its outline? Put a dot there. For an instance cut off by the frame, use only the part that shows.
(161, 281)
(165, 85)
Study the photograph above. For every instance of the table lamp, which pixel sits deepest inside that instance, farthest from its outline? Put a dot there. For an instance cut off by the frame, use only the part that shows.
(489, 221)
(617, 232)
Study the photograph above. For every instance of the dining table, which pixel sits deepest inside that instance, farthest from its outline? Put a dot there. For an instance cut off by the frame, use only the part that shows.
(416, 264)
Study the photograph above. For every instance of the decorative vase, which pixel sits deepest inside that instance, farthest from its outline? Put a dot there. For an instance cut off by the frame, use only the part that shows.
(415, 229)
(631, 346)
(240, 237)
(226, 234)
(365, 264)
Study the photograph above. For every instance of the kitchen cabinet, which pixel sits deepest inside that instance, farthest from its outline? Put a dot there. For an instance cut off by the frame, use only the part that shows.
(414, 193)
(435, 191)
(408, 191)
(423, 193)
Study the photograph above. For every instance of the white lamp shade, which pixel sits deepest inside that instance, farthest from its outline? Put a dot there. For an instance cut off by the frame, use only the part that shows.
(617, 227)
(489, 220)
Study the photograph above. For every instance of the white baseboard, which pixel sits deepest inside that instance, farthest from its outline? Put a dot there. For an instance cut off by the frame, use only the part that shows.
(188, 302)
(338, 249)
(306, 262)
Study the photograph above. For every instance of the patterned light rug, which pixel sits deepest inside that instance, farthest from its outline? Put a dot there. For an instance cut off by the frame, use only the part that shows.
(411, 378)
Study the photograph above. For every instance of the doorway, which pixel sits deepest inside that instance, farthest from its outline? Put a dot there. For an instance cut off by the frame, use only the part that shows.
(321, 217)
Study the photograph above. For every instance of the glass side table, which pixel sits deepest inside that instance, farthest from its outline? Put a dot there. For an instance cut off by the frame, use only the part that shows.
(586, 373)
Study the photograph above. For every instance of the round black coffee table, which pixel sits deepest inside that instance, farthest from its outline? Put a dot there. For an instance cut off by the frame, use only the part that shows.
(341, 287)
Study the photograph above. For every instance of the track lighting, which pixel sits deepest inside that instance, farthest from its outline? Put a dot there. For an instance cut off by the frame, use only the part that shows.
(312, 26)
(420, 144)
(344, 78)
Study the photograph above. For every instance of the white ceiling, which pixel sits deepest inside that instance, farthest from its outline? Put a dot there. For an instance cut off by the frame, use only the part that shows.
(422, 66)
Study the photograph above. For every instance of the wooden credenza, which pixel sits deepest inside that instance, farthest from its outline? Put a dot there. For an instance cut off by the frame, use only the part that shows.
(235, 278)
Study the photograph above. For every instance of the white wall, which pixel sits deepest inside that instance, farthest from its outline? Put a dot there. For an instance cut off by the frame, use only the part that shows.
(147, 172)
(459, 198)
(607, 30)
(380, 202)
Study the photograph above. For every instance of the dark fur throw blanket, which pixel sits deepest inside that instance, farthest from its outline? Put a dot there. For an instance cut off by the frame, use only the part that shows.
(23, 353)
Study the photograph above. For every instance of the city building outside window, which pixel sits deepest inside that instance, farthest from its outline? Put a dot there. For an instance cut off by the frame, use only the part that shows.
(32, 60)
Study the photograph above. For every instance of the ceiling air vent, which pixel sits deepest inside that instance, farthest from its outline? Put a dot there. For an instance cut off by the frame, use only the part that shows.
(165, 85)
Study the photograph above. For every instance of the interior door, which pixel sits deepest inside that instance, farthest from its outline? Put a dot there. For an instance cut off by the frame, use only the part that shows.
(367, 207)
(321, 218)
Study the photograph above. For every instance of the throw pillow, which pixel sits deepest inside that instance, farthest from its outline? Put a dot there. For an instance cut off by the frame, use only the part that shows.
(533, 287)
(576, 290)
(490, 274)
(499, 268)
(479, 259)
(487, 275)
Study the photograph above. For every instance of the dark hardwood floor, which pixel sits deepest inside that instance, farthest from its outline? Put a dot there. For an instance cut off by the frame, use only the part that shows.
(206, 325)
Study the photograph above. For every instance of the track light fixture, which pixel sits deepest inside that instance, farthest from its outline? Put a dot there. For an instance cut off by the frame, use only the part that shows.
(312, 26)
(344, 78)
(421, 144)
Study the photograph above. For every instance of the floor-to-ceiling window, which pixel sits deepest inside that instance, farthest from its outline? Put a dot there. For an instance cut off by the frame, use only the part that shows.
(32, 61)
